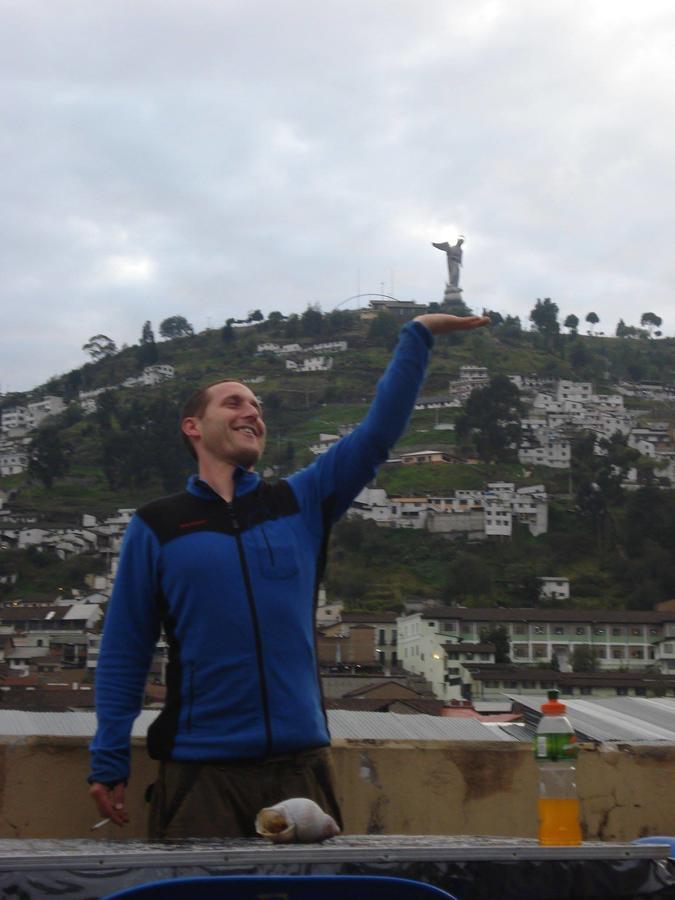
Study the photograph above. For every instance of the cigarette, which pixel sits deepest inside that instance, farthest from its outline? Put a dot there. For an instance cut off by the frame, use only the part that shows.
(100, 824)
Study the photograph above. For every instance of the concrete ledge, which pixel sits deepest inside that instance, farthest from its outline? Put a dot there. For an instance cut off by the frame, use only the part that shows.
(385, 787)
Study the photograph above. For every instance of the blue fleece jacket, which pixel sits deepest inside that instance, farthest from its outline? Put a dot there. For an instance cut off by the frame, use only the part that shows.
(233, 585)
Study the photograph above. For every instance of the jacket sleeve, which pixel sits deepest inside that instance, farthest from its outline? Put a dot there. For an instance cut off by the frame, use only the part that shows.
(130, 633)
(338, 475)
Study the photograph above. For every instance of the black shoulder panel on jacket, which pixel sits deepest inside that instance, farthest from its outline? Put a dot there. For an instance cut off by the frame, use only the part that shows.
(184, 513)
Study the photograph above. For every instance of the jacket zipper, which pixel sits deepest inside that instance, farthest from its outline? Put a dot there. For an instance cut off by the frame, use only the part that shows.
(256, 627)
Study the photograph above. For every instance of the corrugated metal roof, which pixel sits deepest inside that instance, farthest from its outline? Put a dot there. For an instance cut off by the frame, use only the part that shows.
(16, 723)
(634, 719)
(343, 724)
(346, 723)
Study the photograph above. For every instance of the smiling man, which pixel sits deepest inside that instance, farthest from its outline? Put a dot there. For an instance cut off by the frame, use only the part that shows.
(230, 569)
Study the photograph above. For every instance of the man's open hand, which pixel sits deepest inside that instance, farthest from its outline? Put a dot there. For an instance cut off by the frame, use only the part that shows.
(110, 801)
(443, 323)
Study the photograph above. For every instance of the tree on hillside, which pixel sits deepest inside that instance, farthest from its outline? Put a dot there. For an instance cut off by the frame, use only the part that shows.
(255, 316)
(498, 636)
(584, 658)
(311, 321)
(598, 477)
(490, 420)
(466, 578)
(511, 329)
(572, 323)
(49, 455)
(147, 354)
(175, 327)
(384, 329)
(99, 346)
(544, 317)
(495, 318)
(228, 333)
(651, 321)
(592, 319)
(275, 317)
(292, 326)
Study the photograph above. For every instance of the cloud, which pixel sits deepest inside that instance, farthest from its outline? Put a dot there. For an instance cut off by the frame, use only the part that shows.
(159, 158)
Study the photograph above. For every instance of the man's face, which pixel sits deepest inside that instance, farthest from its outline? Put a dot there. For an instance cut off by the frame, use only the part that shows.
(231, 428)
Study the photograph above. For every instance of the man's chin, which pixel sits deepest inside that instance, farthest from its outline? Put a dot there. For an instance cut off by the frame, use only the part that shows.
(247, 458)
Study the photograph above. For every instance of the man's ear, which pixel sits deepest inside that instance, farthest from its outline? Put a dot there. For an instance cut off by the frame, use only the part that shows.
(190, 427)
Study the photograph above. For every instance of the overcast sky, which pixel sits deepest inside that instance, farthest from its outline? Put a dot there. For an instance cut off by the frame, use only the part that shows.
(210, 157)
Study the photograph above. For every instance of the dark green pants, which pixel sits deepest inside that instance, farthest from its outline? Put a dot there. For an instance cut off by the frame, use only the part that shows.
(206, 800)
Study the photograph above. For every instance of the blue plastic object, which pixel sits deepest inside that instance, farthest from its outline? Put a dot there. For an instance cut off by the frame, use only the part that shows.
(285, 887)
(658, 839)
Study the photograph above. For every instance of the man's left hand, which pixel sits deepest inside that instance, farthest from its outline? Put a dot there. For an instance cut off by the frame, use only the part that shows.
(443, 323)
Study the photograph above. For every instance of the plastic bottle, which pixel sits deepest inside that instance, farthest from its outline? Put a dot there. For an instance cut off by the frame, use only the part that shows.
(556, 754)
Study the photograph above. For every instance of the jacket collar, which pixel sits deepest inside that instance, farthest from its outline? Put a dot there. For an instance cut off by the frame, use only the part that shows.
(244, 482)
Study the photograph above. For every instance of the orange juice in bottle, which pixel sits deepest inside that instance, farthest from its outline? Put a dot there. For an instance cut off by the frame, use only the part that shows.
(555, 753)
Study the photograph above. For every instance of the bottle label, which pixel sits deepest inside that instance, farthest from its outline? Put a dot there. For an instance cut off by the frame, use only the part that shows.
(554, 747)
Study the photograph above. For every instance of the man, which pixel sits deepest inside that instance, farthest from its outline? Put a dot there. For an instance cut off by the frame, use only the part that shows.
(230, 569)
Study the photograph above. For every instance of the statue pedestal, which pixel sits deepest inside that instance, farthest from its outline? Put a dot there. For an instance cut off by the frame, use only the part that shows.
(452, 294)
(453, 302)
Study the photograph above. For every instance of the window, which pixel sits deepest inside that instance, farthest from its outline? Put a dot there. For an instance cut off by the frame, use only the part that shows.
(640, 692)
(431, 624)
(468, 656)
(539, 629)
(453, 655)
(637, 653)
(520, 629)
(381, 639)
(394, 658)
(622, 692)
(585, 690)
(653, 630)
(667, 648)
(559, 629)
(598, 630)
(466, 629)
(617, 630)
(618, 653)
(449, 626)
(580, 629)
(635, 630)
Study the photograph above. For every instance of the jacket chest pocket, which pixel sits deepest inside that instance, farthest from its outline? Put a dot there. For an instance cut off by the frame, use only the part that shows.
(276, 551)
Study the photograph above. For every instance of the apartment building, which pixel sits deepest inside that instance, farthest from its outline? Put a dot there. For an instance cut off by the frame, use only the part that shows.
(621, 640)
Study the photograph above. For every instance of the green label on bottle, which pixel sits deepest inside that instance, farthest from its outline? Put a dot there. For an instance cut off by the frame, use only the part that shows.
(556, 746)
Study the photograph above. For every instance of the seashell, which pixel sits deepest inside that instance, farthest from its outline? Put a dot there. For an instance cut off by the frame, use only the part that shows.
(296, 819)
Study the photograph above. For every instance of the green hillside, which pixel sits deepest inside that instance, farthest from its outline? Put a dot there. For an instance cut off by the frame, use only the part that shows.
(128, 451)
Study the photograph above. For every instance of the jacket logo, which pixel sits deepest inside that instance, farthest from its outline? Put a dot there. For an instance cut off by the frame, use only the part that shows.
(193, 524)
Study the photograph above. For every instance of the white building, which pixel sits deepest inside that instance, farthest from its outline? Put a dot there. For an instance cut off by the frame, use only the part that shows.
(554, 588)
(577, 391)
(310, 364)
(13, 459)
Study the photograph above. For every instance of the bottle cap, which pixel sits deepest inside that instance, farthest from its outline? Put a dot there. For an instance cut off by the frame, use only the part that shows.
(554, 707)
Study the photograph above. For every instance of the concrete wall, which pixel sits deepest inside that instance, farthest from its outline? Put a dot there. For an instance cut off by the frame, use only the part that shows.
(385, 787)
